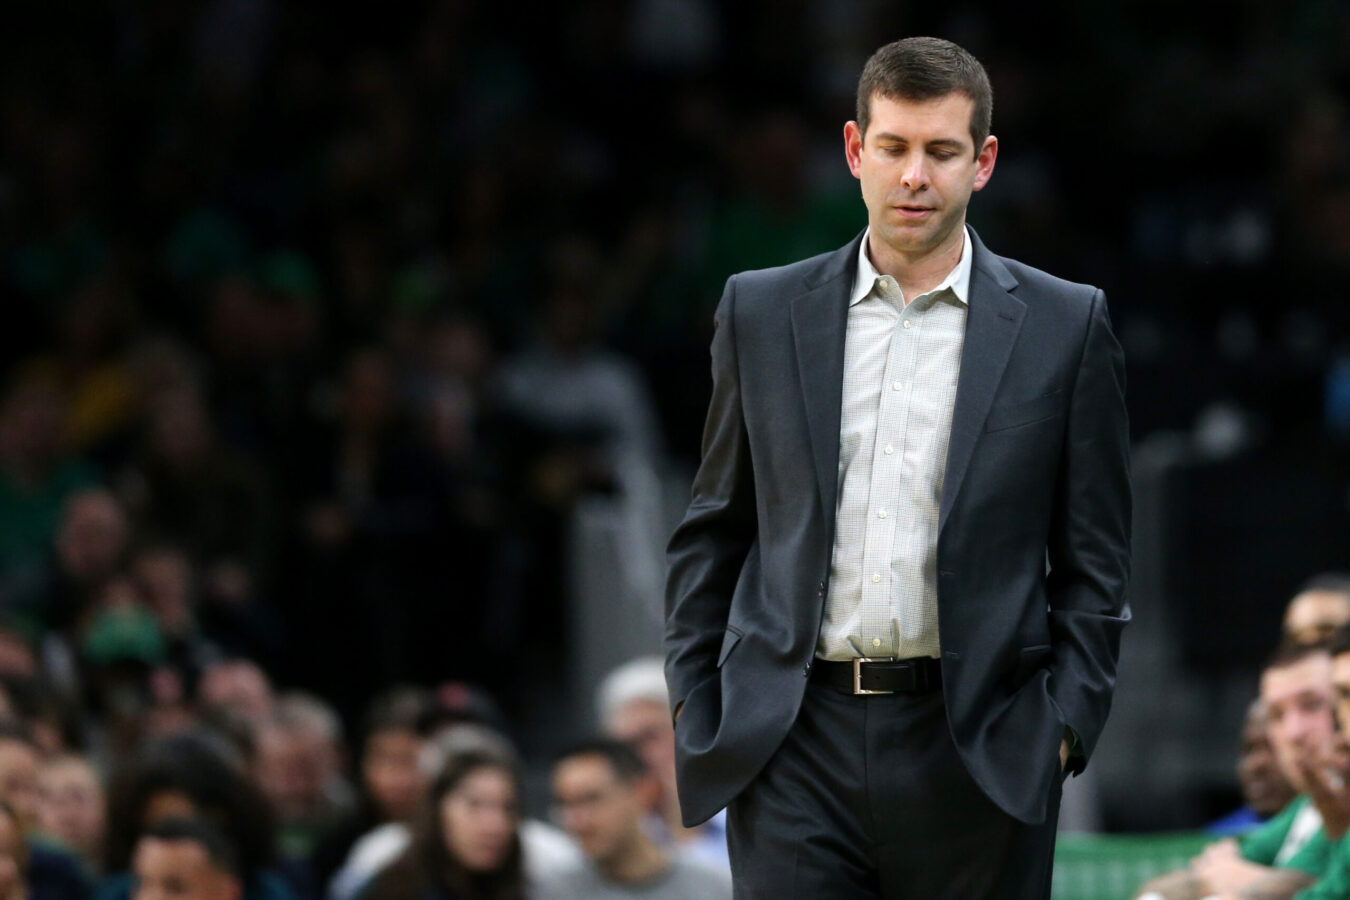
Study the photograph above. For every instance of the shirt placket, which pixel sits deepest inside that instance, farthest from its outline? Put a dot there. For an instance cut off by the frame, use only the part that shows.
(893, 414)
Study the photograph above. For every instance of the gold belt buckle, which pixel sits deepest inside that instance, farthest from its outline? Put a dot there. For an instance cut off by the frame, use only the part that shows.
(857, 672)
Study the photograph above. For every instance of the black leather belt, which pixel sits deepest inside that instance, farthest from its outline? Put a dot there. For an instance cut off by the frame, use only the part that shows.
(879, 675)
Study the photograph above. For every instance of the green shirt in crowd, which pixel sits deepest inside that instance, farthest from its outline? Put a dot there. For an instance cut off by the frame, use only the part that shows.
(1294, 839)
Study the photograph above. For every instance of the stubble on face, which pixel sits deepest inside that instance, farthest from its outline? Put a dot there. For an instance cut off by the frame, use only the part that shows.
(918, 166)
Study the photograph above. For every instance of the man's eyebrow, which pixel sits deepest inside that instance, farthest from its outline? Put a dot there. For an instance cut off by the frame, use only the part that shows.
(939, 142)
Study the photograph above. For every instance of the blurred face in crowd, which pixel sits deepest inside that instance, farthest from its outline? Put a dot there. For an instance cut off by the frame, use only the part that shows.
(1264, 786)
(180, 870)
(599, 809)
(391, 774)
(1314, 616)
(19, 779)
(165, 578)
(290, 772)
(13, 858)
(92, 535)
(239, 689)
(645, 726)
(71, 803)
(1298, 702)
(918, 168)
(478, 819)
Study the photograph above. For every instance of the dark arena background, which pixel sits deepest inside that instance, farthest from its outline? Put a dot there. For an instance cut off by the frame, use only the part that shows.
(355, 358)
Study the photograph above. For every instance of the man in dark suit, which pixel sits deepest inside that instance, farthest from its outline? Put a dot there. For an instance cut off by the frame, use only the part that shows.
(894, 605)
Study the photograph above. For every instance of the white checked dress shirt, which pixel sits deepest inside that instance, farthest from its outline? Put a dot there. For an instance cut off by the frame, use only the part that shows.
(901, 362)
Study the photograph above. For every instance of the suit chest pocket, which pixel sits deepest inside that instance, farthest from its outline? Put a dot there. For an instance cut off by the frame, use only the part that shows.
(1026, 412)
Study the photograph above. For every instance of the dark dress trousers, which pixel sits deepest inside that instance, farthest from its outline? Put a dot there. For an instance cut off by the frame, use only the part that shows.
(1033, 542)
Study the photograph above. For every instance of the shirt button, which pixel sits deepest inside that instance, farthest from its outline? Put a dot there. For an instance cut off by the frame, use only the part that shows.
(876, 577)
(895, 385)
(876, 642)
(889, 449)
(907, 323)
(881, 514)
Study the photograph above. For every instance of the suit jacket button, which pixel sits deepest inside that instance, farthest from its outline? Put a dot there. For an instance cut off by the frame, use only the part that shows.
(806, 670)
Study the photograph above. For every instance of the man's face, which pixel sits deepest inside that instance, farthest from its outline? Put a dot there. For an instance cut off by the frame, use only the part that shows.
(918, 167)
(179, 870)
(1264, 786)
(599, 810)
(1315, 615)
(1299, 702)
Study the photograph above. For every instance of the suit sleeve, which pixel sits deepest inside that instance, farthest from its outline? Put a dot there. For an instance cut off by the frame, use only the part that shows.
(709, 547)
(1089, 545)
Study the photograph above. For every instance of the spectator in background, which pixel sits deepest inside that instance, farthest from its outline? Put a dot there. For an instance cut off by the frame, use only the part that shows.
(634, 707)
(392, 784)
(13, 857)
(602, 789)
(466, 844)
(1292, 850)
(49, 872)
(299, 768)
(36, 476)
(1320, 607)
(546, 849)
(72, 808)
(191, 776)
(1265, 790)
(88, 550)
(186, 859)
(236, 690)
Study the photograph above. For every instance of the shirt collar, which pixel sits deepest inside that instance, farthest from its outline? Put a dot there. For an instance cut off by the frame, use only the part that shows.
(958, 279)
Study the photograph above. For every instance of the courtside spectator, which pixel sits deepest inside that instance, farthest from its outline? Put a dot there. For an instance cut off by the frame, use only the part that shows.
(1265, 790)
(601, 789)
(1320, 607)
(1292, 850)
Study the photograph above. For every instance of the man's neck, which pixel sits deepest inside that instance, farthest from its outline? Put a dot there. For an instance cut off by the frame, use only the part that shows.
(637, 861)
(917, 273)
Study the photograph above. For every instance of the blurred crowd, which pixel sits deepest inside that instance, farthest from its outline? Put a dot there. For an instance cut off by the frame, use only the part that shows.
(1289, 839)
(318, 322)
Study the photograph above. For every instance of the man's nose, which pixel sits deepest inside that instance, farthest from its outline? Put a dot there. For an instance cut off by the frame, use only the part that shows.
(915, 176)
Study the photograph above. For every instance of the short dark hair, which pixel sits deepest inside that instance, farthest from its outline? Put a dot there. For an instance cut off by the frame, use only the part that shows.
(622, 758)
(1327, 583)
(1340, 641)
(219, 849)
(924, 68)
(1291, 652)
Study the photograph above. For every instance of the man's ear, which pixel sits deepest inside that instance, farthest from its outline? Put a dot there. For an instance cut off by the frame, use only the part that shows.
(853, 144)
(984, 161)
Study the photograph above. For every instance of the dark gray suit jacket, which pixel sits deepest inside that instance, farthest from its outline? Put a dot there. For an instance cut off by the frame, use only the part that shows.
(1037, 472)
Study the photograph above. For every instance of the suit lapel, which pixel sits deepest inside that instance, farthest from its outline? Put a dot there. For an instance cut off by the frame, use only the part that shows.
(992, 325)
(819, 323)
